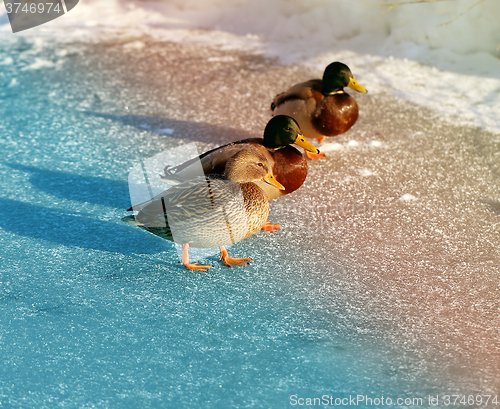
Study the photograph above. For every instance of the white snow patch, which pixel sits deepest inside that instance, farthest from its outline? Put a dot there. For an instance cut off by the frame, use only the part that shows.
(38, 64)
(165, 131)
(7, 61)
(407, 197)
(330, 147)
(365, 172)
(226, 58)
(134, 45)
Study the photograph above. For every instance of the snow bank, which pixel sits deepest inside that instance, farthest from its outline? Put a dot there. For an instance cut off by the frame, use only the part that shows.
(310, 25)
(417, 51)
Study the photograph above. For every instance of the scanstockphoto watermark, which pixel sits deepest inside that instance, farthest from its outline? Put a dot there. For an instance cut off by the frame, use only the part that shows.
(343, 210)
(322, 217)
(457, 400)
(359, 400)
(26, 14)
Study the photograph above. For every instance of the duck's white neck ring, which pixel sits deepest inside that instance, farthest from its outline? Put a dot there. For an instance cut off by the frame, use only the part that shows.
(336, 92)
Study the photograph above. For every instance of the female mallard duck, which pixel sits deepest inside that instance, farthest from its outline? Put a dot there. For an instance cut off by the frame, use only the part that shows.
(321, 107)
(286, 162)
(212, 211)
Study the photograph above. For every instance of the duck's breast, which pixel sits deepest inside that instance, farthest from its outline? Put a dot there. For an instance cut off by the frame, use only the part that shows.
(257, 207)
(335, 114)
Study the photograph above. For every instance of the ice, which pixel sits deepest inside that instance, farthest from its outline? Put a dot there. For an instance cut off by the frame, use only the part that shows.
(39, 63)
(383, 279)
(165, 131)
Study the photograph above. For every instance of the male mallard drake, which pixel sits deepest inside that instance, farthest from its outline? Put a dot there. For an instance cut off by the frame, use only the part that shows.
(286, 162)
(321, 107)
(212, 211)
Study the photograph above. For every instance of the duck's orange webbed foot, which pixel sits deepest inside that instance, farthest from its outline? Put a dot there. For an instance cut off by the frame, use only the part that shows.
(270, 227)
(232, 262)
(314, 156)
(321, 139)
(197, 266)
(191, 266)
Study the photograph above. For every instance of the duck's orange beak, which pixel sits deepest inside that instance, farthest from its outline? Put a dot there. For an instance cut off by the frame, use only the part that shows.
(269, 178)
(301, 141)
(355, 86)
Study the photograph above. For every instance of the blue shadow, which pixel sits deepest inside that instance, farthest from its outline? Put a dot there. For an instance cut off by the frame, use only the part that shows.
(72, 230)
(195, 131)
(101, 191)
(493, 205)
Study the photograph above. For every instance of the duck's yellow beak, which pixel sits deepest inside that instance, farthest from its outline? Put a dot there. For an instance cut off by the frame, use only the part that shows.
(272, 181)
(355, 86)
(301, 141)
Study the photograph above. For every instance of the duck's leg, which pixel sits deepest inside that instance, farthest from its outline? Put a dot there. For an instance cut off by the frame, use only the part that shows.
(231, 262)
(314, 156)
(191, 266)
(270, 227)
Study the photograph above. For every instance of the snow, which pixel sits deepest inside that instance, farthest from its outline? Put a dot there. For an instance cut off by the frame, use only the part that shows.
(436, 54)
(39, 63)
(407, 197)
(330, 146)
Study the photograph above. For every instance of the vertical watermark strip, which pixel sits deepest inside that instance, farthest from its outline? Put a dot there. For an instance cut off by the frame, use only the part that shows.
(64, 6)
(151, 189)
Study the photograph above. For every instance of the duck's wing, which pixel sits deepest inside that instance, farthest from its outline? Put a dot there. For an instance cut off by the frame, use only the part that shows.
(212, 161)
(191, 199)
(213, 164)
(303, 90)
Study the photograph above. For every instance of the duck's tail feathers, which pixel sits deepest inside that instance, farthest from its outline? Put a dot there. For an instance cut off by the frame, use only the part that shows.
(131, 220)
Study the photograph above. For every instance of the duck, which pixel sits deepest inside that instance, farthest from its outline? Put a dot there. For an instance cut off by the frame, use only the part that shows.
(321, 106)
(287, 163)
(212, 210)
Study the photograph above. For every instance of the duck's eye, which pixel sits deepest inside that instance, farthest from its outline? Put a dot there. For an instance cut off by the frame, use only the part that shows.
(287, 128)
(260, 164)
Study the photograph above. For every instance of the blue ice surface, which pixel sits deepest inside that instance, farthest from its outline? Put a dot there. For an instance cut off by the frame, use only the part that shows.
(98, 313)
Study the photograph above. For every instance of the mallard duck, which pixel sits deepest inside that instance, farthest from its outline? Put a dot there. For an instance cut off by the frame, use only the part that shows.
(321, 107)
(287, 163)
(212, 211)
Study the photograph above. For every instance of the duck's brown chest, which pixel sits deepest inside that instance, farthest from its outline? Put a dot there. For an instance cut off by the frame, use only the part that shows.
(334, 114)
